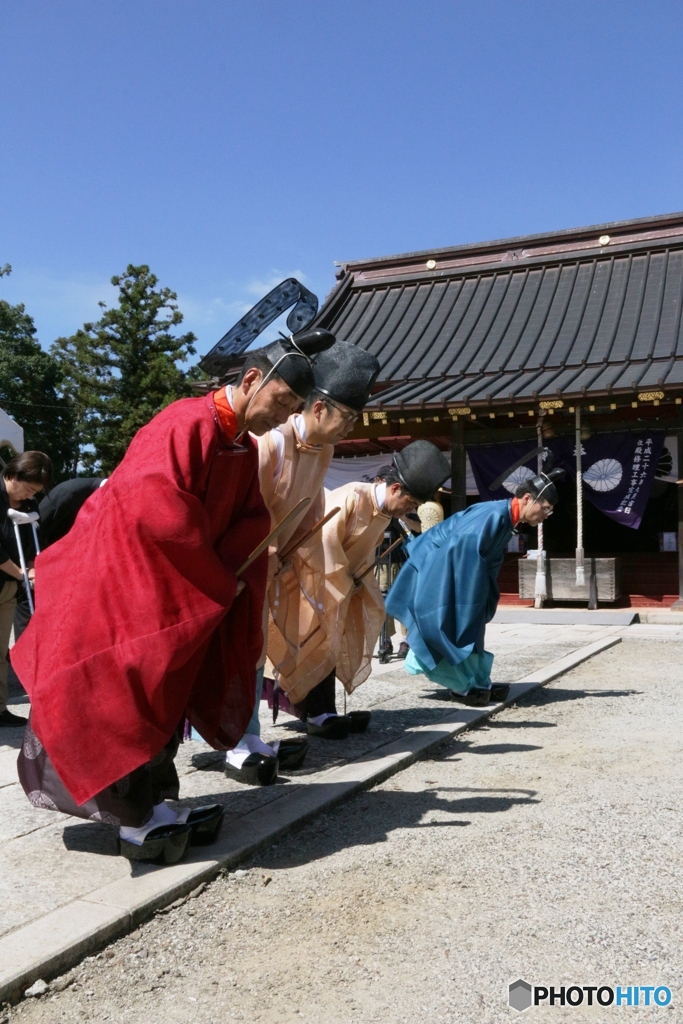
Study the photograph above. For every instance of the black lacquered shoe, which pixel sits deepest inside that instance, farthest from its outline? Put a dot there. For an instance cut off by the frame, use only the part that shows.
(477, 697)
(358, 720)
(256, 770)
(335, 728)
(165, 844)
(205, 823)
(292, 753)
(499, 692)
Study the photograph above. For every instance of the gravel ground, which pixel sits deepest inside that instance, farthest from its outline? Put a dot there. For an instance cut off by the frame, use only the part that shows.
(543, 846)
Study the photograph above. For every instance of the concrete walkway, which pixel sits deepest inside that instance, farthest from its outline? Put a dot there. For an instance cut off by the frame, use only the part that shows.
(60, 877)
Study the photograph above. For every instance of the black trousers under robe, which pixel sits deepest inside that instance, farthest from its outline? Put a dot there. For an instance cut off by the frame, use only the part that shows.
(129, 801)
(320, 700)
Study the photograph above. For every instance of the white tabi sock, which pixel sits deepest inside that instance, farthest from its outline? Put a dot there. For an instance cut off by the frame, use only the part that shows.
(162, 815)
(249, 744)
(167, 816)
(319, 719)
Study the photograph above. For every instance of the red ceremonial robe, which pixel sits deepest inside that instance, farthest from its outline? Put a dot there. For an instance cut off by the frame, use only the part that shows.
(136, 619)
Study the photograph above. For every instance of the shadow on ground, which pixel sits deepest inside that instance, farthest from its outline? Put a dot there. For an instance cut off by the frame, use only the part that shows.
(376, 814)
(92, 837)
(554, 694)
(10, 735)
(495, 723)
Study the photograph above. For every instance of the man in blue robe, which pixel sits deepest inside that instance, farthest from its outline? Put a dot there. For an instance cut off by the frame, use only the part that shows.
(447, 591)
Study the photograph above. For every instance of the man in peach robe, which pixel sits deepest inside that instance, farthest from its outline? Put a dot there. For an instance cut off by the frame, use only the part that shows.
(353, 605)
(293, 461)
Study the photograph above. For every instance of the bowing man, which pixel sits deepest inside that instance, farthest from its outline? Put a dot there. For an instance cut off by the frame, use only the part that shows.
(293, 461)
(153, 625)
(353, 605)
(447, 591)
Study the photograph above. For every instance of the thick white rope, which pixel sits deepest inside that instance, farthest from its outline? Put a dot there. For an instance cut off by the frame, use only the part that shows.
(540, 589)
(580, 570)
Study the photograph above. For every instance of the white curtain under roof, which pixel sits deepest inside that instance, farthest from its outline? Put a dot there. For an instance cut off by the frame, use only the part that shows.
(11, 434)
(365, 467)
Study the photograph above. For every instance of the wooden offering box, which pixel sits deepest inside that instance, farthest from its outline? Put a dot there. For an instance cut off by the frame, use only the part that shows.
(561, 579)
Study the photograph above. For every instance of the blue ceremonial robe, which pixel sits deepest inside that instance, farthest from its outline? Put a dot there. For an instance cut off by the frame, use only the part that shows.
(447, 591)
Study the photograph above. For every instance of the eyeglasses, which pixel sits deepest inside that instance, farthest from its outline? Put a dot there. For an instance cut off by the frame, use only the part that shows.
(546, 510)
(349, 417)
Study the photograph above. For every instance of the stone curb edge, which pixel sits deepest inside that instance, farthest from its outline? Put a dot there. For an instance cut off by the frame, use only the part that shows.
(55, 942)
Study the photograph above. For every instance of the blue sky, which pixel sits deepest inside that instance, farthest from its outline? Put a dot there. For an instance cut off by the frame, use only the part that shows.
(230, 144)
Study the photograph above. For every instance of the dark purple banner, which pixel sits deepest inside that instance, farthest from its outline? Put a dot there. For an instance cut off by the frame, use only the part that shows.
(617, 469)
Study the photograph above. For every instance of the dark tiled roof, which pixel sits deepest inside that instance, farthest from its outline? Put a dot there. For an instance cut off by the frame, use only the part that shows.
(570, 313)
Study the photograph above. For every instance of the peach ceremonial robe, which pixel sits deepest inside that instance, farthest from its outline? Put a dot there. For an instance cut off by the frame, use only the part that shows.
(353, 614)
(295, 586)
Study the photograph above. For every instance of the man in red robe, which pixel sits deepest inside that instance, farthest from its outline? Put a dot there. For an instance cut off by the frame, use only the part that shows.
(141, 619)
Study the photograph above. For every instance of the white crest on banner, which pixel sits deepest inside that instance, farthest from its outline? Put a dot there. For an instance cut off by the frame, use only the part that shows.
(520, 476)
(604, 475)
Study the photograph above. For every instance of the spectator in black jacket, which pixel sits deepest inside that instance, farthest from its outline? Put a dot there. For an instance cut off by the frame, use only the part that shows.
(58, 511)
(23, 477)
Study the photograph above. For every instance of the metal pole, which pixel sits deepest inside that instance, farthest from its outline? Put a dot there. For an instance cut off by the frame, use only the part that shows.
(458, 468)
(540, 588)
(678, 605)
(580, 570)
(24, 570)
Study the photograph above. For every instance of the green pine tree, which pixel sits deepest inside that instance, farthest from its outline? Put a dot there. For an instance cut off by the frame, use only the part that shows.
(31, 388)
(122, 370)
(86, 372)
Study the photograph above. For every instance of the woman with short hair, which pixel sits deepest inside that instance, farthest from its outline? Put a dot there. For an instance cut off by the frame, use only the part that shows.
(23, 477)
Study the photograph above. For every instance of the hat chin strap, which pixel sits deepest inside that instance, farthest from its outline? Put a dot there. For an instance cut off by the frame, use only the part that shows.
(399, 474)
(549, 483)
(271, 371)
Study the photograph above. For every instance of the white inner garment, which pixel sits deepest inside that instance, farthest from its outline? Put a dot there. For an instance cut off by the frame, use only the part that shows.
(380, 495)
(279, 442)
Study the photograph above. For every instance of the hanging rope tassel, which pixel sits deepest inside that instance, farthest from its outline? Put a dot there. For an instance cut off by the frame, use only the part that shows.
(580, 570)
(540, 588)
